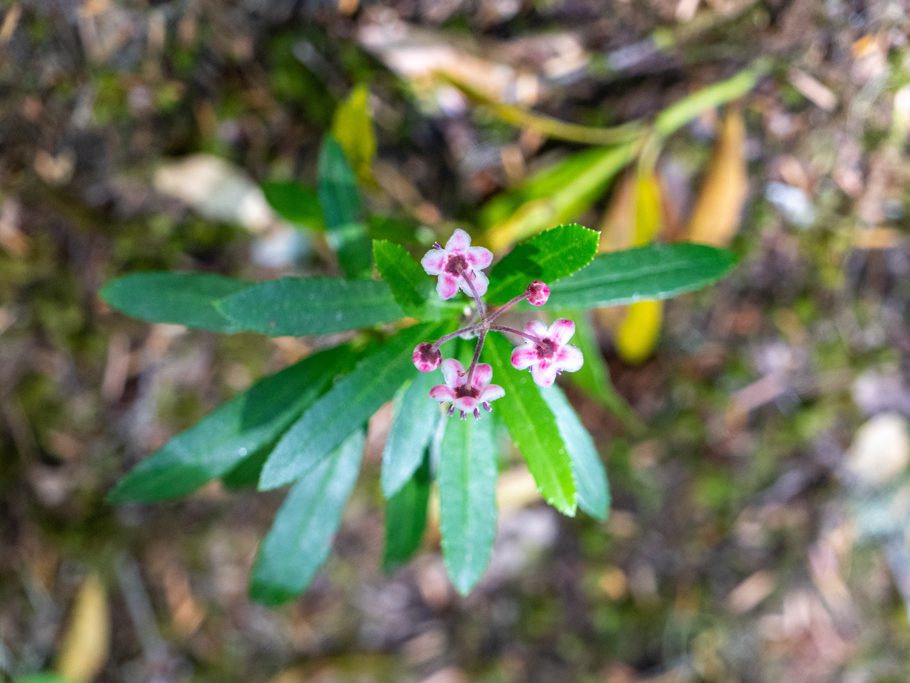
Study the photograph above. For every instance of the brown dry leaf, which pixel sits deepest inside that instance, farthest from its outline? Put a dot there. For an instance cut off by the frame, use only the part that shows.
(86, 642)
(720, 203)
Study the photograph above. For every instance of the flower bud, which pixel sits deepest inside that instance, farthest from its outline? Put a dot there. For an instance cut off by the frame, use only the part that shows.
(426, 357)
(538, 293)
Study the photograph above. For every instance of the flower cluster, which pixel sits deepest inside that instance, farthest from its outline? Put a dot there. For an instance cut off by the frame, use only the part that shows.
(545, 350)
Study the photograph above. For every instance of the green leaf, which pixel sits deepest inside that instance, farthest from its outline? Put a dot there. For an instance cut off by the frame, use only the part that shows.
(301, 536)
(353, 130)
(246, 473)
(467, 499)
(594, 376)
(588, 470)
(296, 203)
(340, 201)
(410, 285)
(41, 678)
(232, 432)
(406, 518)
(176, 298)
(558, 193)
(344, 408)
(533, 429)
(549, 256)
(305, 306)
(414, 418)
(658, 271)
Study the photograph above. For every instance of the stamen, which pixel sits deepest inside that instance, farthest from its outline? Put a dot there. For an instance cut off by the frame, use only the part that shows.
(486, 406)
(476, 414)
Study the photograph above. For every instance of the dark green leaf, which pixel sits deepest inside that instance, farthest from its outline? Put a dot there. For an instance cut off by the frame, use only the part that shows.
(232, 432)
(533, 429)
(467, 499)
(414, 419)
(590, 476)
(410, 285)
(344, 408)
(549, 256)
(305, 306)
(246, 473)
(296, 203)
(301, 537)
(340, 201)
(406, 519)
(652, 272)
(177, 298)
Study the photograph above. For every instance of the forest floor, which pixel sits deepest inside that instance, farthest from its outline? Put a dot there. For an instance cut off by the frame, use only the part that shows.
(758, 530)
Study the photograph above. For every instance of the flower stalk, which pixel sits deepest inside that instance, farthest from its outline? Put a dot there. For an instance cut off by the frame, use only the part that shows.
(458, 267)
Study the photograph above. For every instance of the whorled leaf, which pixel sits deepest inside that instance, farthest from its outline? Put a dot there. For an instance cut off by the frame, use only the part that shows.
(533, 429)
(233, 432)
(293, 306)
(651, 272)
(549, 256)
(344, 408)
(301, 536)
(467, 499)
(174, 297)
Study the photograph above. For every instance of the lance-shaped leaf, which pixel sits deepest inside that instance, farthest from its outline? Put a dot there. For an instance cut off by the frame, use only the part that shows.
(232, 432)
(556, 194)
(467, 499)
(594, 376)
(301, 536)
(590, 475)
(296, 203)
(340, 201)
(415, 416)
(652, 272)
(305, 306)
(549, 256)
(177, 298)
(406, 518)
(412, 288)
(344, 408)
(533, 429)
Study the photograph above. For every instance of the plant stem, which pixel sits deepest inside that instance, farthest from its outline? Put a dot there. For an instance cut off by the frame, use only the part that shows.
(519, 333)
(477, 350)
(505, 307)
(481, 308)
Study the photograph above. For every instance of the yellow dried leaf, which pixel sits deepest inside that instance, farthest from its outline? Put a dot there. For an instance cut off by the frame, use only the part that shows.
(353, 129)
(86, 642)
(639, 331)
(720, 202)
(634, 218)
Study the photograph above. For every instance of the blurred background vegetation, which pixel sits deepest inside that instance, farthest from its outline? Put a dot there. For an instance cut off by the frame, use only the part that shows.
(757, 439)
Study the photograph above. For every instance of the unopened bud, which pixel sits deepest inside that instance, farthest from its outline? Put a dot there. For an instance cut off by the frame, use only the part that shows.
(538, 292)
(426, 357)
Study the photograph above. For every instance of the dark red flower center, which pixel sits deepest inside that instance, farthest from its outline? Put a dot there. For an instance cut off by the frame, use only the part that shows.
(466, 390)
(456, 264)
(546, 348)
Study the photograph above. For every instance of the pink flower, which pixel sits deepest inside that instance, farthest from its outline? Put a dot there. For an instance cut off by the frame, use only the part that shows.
(457, 263)
(548, 354)
(463, 395)
(426, 357)
(538, 293)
